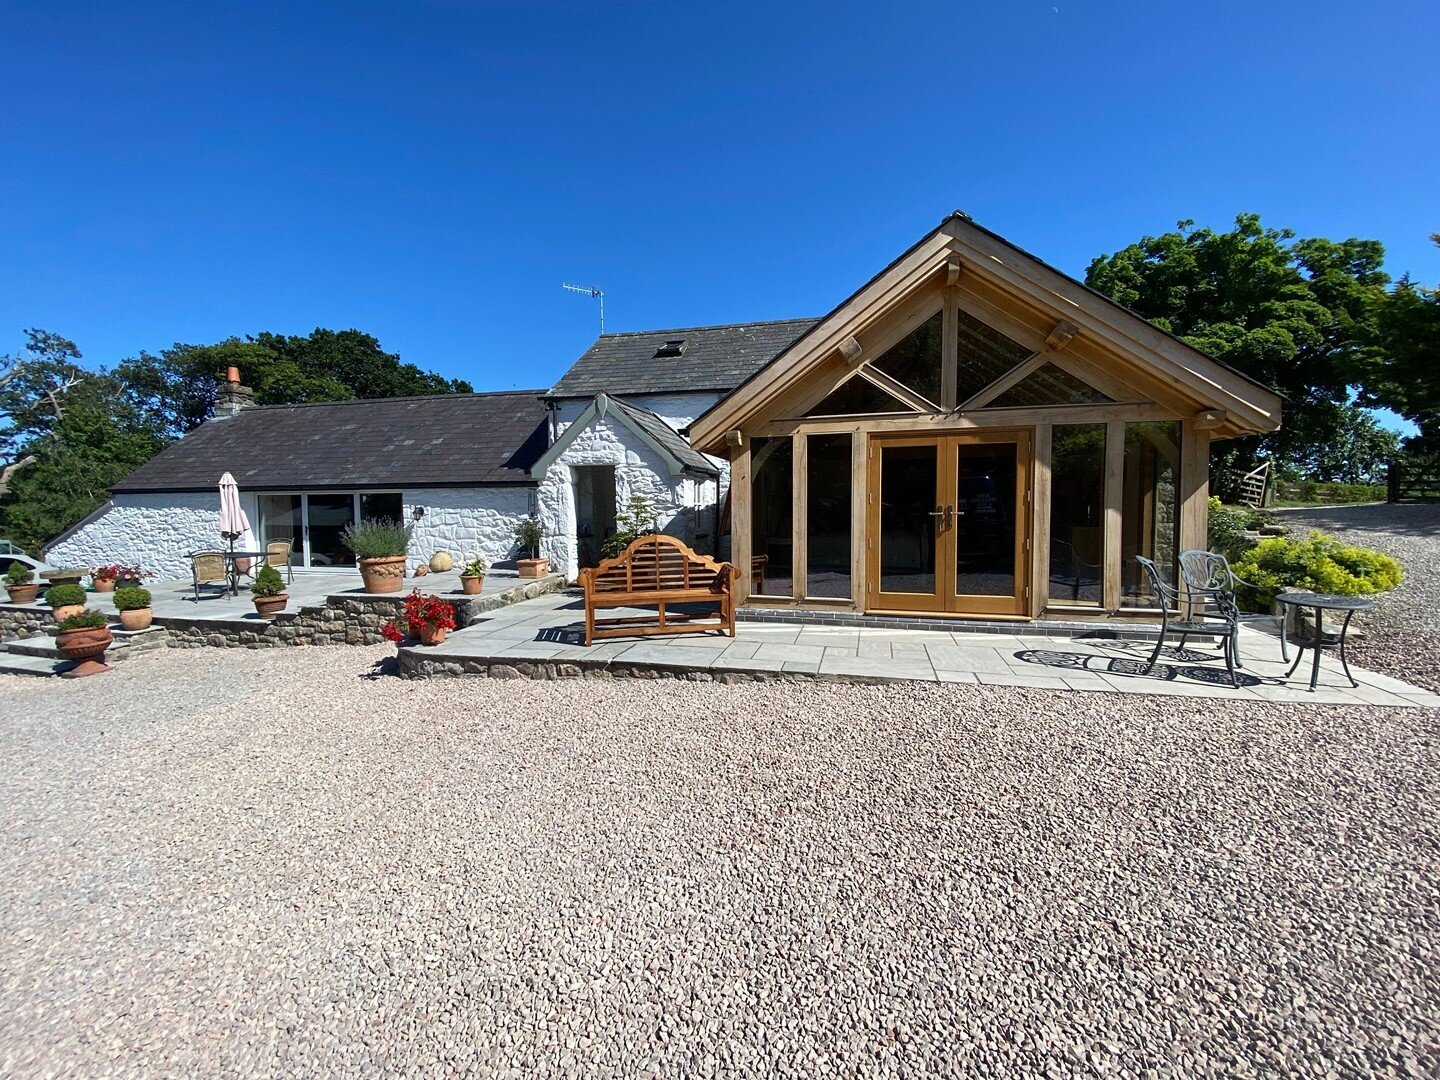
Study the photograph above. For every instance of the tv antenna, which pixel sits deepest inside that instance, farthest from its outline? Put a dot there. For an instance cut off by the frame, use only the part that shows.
(592, 292)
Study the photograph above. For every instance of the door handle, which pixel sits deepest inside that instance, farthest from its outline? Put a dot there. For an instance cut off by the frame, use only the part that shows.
(940, 514)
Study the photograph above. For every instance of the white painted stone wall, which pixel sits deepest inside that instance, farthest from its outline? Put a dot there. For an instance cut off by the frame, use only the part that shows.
(155, 532)
(684, 505)
(468, 521)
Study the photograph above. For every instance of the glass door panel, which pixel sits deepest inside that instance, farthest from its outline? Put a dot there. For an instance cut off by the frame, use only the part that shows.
(988, 486)
(282, 518)
(905, 525)
(326, 518)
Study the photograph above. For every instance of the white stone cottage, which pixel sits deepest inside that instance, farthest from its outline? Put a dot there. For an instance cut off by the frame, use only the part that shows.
(970, 434)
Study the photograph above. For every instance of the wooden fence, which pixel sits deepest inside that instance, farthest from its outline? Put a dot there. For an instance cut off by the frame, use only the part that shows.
(1413, 481)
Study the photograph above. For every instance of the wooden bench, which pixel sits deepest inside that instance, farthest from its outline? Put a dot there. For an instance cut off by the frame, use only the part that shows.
(656, 571)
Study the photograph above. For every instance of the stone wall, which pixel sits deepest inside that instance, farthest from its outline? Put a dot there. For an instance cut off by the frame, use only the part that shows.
(684, 505)
(468, 521)
(23, 622)
(156, 532)
(417, 663)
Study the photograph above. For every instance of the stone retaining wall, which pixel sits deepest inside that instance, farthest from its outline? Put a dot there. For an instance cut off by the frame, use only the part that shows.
(416, 662)
(23, 622)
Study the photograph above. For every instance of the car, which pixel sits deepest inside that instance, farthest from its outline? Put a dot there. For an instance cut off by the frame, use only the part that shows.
(10, 555)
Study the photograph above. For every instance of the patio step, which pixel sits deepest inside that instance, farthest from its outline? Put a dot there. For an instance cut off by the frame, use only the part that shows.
(19, 664)
(42, 646)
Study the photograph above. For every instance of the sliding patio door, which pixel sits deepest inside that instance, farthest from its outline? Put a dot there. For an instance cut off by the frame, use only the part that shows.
(315, 522)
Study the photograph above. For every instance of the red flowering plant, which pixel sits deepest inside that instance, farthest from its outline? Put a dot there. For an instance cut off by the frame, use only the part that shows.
(420, 611)
(119, 572)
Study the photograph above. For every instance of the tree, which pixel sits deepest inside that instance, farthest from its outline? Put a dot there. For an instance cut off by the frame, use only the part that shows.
(1295, 315)
(177, 388)
(1403, 371)
(33, 386)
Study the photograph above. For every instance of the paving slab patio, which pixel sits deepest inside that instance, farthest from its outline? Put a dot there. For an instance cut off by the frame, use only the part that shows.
(1099, 661)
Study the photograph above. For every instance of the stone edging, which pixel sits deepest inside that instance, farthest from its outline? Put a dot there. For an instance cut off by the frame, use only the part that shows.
(417, 662)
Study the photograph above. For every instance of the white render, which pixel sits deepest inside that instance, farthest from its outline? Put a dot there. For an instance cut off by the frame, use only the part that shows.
(156, 532)
(467, 521)
(684, 505)
(677, 410)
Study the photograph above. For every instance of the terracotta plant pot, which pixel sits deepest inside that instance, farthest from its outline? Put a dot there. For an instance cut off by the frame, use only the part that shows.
(86, 647)
(103, 584)
(431, 634)
(532, 568)
(137, 618)
(472, 583)
(267, 607)
(23, 594)
(383, 575)
(64, 611)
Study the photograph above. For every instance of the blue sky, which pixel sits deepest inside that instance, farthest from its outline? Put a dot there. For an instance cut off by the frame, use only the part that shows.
(432, 172)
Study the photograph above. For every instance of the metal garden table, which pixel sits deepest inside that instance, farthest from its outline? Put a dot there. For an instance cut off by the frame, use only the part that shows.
(1321, 603)
(232, 565)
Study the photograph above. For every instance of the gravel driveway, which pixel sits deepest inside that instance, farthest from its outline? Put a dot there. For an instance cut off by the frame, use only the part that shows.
(1403, 635)
(264, 862)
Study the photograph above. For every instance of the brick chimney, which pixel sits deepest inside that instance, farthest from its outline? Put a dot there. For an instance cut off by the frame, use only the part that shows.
(232, 397)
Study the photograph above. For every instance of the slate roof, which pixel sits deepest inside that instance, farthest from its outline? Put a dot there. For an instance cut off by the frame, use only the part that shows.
(440, 440)
(671, 440)
(714, 358)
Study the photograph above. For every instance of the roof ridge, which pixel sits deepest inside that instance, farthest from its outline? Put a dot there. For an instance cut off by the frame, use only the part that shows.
(403, 397)
(713, 326)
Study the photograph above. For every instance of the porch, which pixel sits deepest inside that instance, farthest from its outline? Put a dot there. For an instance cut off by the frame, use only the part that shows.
(543, 639)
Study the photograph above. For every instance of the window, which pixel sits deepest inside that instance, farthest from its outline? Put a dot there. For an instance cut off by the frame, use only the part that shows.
(1048, 385)
(383, 504)
(827, 516)
(1150, 507)
(1077, 501)
(772, 463)
(858, 395)
(673, 347)
(985, 355)
(916, 361)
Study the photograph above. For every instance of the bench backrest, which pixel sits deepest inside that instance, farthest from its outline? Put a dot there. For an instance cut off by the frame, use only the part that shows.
(657, 563)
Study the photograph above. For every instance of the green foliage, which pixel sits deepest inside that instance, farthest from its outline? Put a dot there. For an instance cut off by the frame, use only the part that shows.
(1316, 491)
(1400, 372)
(83, 620)
(1294, 315)
(1227, 525)
(1319, 563)
(528, 535)
(19, 574)
(634, 520)
(267, 582)
(64, 595)
(476, 567)
(376, 538)
(132, 599)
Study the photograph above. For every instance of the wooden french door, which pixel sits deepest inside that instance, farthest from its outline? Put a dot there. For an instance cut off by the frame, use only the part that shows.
(948, 522)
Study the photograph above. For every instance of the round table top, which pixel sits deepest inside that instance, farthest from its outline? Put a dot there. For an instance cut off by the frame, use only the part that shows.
(1325, 600)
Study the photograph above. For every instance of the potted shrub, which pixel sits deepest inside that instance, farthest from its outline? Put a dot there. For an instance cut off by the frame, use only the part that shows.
(426, 617)
(130, 577)
(472, 578)
(133, 604)
(103, 577)
(83, 637)
(268, 592)
(379, 545)
(528, 535)
(65, 600)
(21, 584)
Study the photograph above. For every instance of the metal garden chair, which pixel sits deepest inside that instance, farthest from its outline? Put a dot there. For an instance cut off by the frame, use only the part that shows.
(1195, 624)
(1210, 584)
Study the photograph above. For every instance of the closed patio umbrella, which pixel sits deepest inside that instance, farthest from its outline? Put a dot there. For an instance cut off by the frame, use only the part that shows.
(233, 522)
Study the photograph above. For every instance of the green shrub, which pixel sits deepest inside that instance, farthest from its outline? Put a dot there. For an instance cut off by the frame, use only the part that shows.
(637, 519)
(64, 595)
(1326, 492)
(19, 574)
(83, 620)
(267, 582)
(132, 598)
(1227, 526)
(528, 535)
(376, 538)
(1319, 563)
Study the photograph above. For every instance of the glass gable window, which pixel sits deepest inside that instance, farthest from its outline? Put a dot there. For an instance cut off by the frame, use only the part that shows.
(985, 355)
(858, 396)
(1077, 500)
(916, 361)
(1150, 508)
(1048, 385)
(827, 516)
(772, 463)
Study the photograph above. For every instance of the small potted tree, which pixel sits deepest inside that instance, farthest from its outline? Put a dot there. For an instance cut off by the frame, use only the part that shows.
(268, 592)
(133, 604)
(426, 617)
(103, 577)
(20, 583)
(472, 578)
(83, 638)
(379, 545)
(65, 600)
(528, 535)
